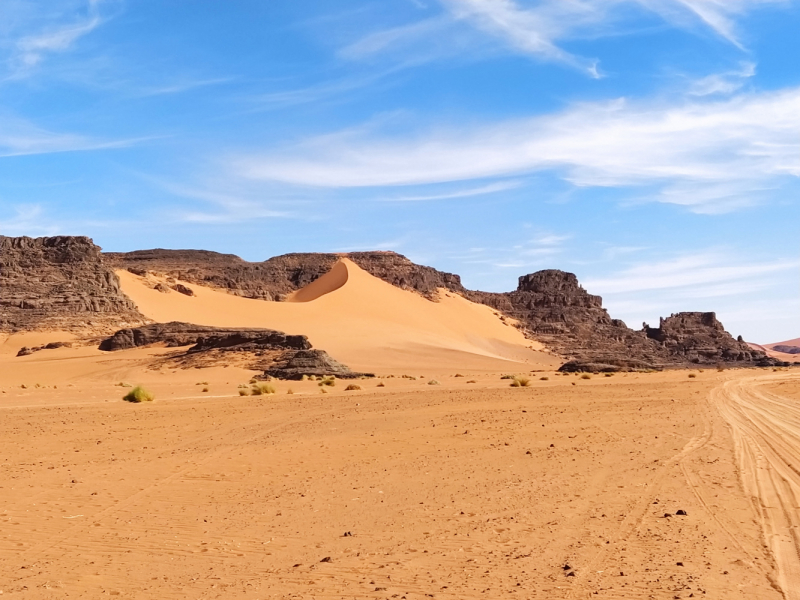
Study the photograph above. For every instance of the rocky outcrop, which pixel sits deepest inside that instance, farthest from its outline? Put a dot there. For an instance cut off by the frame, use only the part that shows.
(203, 338)
(310, 362)
(60, 283)
(279, 355)
(699, 338)
(27, 351)
(786, 349)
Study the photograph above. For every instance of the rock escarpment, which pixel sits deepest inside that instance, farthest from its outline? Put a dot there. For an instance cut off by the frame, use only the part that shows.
(59, 283)
(277, 277)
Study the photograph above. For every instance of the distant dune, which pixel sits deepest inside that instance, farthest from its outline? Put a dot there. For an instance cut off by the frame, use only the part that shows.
(361, 320)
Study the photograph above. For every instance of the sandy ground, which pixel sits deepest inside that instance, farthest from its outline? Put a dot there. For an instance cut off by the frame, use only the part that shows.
(362, 321)
(457, 490)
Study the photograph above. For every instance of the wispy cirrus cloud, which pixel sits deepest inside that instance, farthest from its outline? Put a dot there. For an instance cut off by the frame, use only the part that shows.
(41, 31)
(540, 29)
(21, 137)
(693, 272)
(710, 156)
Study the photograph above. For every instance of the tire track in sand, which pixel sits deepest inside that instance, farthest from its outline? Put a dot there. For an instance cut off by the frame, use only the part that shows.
(766, 434)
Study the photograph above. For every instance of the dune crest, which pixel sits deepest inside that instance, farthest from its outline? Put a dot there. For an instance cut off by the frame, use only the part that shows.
(330, 282)
(362, 321)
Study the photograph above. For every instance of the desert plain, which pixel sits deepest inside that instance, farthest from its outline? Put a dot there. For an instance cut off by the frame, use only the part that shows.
(435, 479)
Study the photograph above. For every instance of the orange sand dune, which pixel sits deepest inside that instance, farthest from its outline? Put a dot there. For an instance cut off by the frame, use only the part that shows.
(362, 321)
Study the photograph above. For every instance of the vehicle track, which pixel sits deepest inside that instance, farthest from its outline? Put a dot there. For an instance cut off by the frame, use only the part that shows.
(766, 434)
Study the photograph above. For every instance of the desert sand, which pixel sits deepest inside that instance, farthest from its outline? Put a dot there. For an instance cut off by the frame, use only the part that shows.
(461, 490)
(435, 480)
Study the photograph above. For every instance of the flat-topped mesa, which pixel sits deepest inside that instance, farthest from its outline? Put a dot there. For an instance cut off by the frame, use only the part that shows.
(59, 282)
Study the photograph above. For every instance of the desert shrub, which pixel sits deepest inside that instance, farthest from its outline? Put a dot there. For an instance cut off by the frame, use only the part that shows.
(472, 381)
(692, 375)
(329, 381)
(290, 391)
(304, 378)
(138, 394)
(202, 383)
(586, 376)
(433, 382)
(352, 387)
(123, 384)
(323, 390)
(381, 384)
(458, 375)
(521, 381)
(700, 370)
(244, 392)
(544, 378)
(507, 377)
(205, 389)
(608, 374)
(262, 389)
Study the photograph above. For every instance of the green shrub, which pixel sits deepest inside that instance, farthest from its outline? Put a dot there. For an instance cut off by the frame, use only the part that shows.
(138, 394)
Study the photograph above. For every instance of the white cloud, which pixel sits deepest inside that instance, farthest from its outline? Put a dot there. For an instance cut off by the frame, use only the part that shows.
(491, 188)
(698, 273)
(710, 156)
(28, 219)
(723, 83)
(538, 29)
(19, 137)
(57, 35)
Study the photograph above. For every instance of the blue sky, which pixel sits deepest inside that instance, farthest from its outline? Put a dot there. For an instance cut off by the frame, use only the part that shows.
(652, 147)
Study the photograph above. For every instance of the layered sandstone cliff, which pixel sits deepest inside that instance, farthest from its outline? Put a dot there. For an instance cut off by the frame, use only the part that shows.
(60, 283)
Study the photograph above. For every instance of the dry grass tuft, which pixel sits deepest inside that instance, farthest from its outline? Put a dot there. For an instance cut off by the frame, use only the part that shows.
(352, 387)
(139, 394)
(586, 376)
(244, 392)
(520, 381)
(329, 381)
(433, 382)
(262, 389)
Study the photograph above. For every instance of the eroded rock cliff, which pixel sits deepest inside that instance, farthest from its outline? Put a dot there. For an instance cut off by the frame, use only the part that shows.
(59, 283)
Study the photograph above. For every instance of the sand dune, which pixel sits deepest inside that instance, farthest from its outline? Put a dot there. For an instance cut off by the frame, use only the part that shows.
(362, 321)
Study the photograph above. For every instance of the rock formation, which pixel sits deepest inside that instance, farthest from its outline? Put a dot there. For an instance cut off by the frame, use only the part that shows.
(279, 355)
(201, 337)
(59, 283)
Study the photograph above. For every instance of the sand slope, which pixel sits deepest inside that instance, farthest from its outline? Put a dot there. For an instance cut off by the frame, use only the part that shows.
(362, 321)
